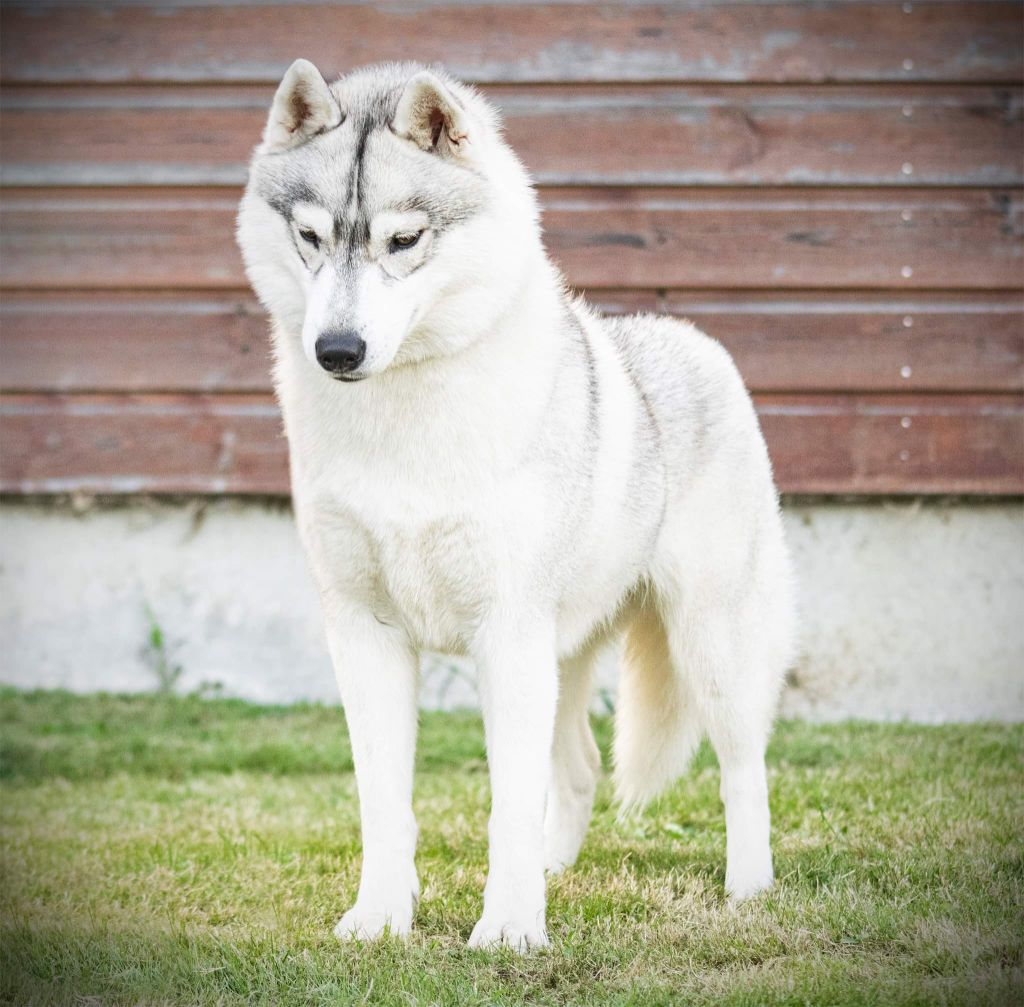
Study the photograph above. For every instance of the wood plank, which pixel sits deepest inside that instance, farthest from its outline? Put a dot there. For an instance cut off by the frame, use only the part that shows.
(934, 239)
(865, 342)
(233, 444)
(188, 342)
(892, 445)
(218, 341)
(833, 40)
(687, 238)
(138, 444)
(745, 135)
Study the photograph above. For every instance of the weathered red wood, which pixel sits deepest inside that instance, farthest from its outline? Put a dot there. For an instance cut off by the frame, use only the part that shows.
(142, 444)
(865, 342)
(647, 238)
(774, 239)
(834, 40)
(218, 341)
(186, 342)
(233, 444)
(620, 135)
(893, 445)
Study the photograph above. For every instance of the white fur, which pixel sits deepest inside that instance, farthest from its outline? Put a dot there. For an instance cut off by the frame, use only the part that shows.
(464, 498)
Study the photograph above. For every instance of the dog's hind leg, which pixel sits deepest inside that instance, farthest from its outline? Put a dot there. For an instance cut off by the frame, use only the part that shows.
(575, 764)
(718, 650)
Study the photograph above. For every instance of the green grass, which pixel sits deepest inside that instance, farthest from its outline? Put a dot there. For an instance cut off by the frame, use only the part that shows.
(187, 851)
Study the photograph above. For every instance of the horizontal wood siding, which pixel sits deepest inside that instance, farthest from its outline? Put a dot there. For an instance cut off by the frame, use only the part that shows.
(901, 135)
(832, 189)
(216, 341)
(234, 443)
(835, 40)
(603, 237)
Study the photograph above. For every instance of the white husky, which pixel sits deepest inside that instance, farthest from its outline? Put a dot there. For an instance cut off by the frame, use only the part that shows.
(481, 465)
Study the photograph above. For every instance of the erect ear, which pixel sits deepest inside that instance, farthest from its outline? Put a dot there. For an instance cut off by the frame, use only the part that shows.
(303, 107)
(431, 116)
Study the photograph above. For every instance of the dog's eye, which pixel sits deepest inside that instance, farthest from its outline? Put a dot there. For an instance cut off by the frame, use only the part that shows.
(400, 241)
(309, 236)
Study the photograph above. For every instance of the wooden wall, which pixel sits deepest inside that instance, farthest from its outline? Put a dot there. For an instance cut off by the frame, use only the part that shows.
(833, 189)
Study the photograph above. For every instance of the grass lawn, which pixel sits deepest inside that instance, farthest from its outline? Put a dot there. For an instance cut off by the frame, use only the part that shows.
(188, 851)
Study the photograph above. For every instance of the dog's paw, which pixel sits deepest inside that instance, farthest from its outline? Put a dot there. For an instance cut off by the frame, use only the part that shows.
(561, 848)
(748, 872)
(740, 890)
(360, 924)
(554, 863)
(520, 936)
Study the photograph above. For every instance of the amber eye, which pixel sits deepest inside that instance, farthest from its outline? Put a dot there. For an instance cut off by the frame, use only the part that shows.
(311, 236)
(405, 240)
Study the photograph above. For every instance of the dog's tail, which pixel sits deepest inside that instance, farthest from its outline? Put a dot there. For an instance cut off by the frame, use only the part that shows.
(656, 727)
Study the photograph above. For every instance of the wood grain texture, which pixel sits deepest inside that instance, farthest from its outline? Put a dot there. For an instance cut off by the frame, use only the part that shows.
(183, 342)
(142, 444)
(833, 40)
(624, 135)
(832, 189)
(218, 341)
(644, 238)
(865, 342)
(233, 444)
(883, 444)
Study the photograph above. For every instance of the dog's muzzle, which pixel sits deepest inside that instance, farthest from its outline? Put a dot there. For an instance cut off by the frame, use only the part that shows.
(340, 353)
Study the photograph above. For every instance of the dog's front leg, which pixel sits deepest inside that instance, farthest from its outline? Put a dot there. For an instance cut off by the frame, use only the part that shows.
(377, 675)
(519, 694)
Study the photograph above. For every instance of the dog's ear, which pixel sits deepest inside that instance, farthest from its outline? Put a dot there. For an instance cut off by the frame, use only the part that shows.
(303, 107)
(431, 116)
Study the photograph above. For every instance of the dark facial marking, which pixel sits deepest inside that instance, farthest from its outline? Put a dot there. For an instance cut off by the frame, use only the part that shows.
(355, 176)
(283, 195)
(366, 114)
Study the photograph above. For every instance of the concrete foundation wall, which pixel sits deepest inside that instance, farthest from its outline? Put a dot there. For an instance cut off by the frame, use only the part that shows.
(909, 610)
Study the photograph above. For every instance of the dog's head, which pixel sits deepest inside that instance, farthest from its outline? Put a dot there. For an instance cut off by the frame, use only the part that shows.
(385, 220)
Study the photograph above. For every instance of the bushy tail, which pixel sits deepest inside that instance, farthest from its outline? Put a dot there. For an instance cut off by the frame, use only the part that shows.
(656, 726)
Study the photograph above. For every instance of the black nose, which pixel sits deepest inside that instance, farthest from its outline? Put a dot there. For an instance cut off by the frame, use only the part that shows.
(340, 352)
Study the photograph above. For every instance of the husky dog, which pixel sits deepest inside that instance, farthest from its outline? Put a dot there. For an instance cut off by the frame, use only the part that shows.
(482, 465)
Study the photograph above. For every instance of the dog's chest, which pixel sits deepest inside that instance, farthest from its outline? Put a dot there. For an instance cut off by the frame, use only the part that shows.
(432, 556)
(434, 577)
